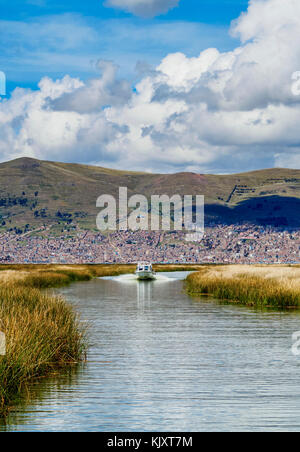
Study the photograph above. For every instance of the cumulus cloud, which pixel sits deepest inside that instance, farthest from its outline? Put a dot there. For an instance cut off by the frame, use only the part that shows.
(96, 93)
(217, 112)
(28, 126)
(143, 8)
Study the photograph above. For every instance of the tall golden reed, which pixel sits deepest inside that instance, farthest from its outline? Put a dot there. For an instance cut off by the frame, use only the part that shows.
(42, 332)
(273, 286)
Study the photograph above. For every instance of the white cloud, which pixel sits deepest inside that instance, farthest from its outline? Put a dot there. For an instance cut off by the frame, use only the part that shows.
(29, 127)
(286, 159)
(96, 93)
(218, 112)
(143, 8)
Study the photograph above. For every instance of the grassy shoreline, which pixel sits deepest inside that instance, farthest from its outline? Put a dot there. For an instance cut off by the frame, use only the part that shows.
(261, 286)
(42, 332)
(49, 276)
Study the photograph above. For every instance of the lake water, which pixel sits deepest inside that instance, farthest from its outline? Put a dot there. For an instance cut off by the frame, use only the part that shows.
(163, 361)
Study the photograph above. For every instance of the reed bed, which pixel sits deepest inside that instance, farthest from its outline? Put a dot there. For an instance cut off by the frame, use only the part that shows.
(47, 276)
(42, 333)
(265, 286)
(176, 267)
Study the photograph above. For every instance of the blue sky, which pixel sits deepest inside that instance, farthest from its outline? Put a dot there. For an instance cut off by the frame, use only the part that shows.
(208, 11)
(54, 38)
(155, 85)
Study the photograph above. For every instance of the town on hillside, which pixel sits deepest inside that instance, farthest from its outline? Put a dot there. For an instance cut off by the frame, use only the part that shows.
(235, 244)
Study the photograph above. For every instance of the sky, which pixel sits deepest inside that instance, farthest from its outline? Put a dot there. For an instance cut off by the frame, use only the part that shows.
(51, 38)
(208, 86)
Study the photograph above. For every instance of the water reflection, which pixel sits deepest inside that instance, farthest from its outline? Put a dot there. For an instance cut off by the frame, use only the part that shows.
(144, 294)
(38, 392)
(162, 361)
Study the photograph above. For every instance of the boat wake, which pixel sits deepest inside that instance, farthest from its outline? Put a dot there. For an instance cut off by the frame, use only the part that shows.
(159, 278)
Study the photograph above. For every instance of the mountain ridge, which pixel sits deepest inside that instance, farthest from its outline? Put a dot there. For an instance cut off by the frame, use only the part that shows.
(35, 193)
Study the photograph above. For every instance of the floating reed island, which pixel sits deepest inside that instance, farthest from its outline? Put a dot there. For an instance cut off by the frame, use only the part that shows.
(266, 286)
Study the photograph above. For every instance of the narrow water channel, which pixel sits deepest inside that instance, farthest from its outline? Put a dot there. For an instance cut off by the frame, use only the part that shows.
(163, 361)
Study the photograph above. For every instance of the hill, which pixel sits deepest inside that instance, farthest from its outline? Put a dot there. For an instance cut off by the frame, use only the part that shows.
(63, 196)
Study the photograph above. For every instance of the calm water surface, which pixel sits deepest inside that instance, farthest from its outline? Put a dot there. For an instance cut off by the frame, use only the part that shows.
(162, 361)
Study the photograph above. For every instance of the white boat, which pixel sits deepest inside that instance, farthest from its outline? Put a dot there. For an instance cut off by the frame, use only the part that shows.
(144, 271)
